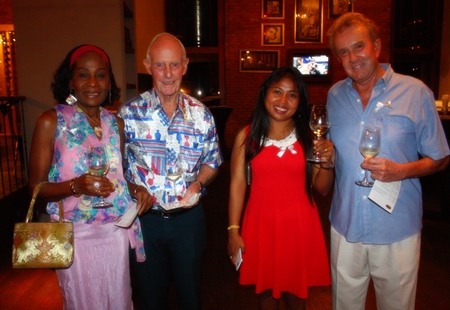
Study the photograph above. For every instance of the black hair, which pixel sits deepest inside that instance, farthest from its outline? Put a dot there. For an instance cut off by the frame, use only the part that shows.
(260, 120)
(62, 76)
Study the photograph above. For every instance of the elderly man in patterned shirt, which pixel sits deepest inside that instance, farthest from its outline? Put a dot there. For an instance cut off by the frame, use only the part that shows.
(163, 128)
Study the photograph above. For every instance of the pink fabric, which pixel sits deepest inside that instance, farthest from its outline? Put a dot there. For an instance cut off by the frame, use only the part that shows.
(99, 277)
(74, 135)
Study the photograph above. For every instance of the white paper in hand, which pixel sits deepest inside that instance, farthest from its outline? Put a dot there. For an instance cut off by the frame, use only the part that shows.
(192, 200)
(385, 194)
(128, 218)
(239, 259)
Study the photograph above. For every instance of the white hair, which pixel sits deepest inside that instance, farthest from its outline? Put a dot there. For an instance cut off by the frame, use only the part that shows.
(165, 34)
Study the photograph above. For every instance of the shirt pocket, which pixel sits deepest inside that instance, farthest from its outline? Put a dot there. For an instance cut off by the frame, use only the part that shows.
(398, 134)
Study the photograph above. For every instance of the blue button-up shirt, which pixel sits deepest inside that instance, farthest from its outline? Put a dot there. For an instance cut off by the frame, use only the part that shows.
(409, 128)
(152, 139)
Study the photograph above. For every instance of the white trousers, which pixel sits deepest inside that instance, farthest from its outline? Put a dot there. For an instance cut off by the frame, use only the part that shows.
(392, 267)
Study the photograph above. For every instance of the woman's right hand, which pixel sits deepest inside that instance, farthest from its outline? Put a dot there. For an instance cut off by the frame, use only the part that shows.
(235, 242)
(92, 185)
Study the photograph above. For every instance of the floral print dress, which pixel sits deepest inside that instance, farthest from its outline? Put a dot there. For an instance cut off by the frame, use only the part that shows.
(99, 276)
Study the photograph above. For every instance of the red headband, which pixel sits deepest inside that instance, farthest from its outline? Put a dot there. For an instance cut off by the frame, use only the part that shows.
(87, 48)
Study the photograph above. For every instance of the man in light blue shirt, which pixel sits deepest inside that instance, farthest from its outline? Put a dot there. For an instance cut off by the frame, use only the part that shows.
(367, 241)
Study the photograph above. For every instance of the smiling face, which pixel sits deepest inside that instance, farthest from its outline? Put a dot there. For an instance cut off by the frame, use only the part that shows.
(167, 65)
(271, 34)
(282, 100)
(90, 80)
(358, 54)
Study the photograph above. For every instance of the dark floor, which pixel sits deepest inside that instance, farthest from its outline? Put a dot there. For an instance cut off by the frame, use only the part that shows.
(37, 289)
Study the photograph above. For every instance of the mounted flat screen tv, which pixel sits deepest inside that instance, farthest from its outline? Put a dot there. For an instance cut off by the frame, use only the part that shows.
(315, 65)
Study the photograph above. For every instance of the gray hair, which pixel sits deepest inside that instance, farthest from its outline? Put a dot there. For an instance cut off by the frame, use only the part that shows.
(349, 19)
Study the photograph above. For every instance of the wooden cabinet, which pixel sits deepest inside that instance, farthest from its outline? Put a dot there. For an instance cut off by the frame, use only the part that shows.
(417, 32)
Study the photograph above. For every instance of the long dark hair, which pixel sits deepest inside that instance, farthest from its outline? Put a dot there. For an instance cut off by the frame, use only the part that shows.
(260, 120)
(62, 76)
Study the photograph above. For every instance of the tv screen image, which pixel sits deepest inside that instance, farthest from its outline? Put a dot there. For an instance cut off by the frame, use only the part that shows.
(311, 64)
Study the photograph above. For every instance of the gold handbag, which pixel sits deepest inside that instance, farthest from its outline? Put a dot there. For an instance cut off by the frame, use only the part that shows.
(42, 245)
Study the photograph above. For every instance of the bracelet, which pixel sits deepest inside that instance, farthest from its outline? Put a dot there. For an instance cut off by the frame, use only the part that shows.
(72, 188)
(199, 183)
(233, 227)
(328, 168)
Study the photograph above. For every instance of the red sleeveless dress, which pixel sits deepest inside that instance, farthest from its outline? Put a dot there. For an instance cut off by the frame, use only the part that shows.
(284, 244)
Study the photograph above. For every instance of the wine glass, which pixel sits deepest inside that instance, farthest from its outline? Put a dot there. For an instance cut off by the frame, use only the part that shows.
(319, 124)
(173, 173)
(369, 146)
(98, 165)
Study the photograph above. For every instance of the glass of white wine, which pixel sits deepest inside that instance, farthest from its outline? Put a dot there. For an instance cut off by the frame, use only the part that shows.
(369, 146)
(98, 164)
(319, 124)
(173, 173)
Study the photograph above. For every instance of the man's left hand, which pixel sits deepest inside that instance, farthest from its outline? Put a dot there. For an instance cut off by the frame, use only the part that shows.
(193, 189)
(383, 170)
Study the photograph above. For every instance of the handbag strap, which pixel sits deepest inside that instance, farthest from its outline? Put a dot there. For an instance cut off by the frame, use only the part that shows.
(33, 200)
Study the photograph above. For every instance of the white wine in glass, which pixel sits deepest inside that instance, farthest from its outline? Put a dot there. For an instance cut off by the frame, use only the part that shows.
(98, 165)
(320, 130)
(369, 146)
(173, 173)
(319, 124)
(99, 170)
(368, 152)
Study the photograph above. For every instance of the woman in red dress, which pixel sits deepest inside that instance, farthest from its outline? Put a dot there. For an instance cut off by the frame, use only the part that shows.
(281, 240)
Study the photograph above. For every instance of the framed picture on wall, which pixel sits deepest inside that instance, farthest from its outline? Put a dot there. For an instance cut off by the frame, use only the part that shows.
(258, 60)
(339, 7)
(308, 21)
(272, 8)
(272, 34)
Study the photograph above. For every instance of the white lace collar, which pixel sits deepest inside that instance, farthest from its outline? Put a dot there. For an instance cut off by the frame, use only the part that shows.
(285, 144)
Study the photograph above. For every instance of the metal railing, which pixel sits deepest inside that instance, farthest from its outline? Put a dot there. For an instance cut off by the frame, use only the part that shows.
(13, 151)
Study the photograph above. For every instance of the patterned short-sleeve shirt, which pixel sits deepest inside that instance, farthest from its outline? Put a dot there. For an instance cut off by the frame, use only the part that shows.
(152, 141)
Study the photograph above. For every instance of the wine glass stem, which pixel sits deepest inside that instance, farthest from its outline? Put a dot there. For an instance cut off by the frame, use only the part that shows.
(366, 180)
(174, 190)
(317, 153)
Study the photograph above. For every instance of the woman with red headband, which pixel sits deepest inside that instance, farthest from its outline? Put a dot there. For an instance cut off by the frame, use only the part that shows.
(83, 84)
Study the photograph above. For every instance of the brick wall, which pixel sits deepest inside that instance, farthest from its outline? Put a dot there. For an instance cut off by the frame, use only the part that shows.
(6, 12)
(243, 31)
